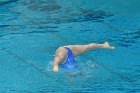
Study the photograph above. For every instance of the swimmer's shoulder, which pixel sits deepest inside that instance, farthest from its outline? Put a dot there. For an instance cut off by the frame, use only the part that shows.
(60, 49)
(72, 47)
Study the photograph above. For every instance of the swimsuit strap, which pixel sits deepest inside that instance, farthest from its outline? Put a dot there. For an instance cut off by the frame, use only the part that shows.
(69, 52)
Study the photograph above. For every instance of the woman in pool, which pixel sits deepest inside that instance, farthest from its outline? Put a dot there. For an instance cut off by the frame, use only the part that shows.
(64, 56)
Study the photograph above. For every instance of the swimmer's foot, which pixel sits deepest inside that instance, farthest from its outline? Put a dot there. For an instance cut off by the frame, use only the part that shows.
(107, 45)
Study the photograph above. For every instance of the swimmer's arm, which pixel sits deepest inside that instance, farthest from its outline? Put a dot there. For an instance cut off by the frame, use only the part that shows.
(56, 62)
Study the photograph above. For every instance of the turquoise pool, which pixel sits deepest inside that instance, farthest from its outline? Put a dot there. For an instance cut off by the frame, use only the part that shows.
(32, 30)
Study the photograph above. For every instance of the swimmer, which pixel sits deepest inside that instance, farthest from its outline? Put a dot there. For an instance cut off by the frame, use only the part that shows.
(64, 56)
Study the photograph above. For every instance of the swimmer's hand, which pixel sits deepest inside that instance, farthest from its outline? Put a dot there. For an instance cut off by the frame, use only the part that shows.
(55, 68)
(107, 45)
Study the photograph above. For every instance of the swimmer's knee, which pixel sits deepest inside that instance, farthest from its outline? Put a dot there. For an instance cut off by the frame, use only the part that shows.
(90, 46)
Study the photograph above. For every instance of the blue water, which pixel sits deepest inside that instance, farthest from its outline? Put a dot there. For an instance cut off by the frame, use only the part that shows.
(32, 30)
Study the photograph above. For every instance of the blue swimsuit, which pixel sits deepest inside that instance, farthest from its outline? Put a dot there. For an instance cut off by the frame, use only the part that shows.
(70, 62)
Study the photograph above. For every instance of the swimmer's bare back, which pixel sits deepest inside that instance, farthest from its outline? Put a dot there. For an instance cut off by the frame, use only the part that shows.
(62, 54)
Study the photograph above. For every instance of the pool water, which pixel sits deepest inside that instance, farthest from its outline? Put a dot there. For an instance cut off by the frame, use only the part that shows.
(32, 30)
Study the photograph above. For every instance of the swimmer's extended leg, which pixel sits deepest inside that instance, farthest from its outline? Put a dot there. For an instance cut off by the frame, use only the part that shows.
(104, 45)
(79, 49)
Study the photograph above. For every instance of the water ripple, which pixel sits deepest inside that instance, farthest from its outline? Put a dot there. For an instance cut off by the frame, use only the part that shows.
(7, 2)
(57, 14)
